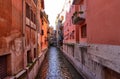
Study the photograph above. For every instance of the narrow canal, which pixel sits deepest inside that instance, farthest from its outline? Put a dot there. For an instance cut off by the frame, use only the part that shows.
(55, 66)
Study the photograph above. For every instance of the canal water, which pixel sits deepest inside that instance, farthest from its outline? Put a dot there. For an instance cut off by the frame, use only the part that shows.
(55, 66)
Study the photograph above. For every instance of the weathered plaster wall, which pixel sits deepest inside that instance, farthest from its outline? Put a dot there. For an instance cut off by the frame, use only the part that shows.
(94, 61)
(103, 21)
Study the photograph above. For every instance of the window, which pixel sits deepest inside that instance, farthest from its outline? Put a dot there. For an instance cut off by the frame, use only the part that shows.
(42, 32)
(41, 14)
(27, 11)
(32, 18)
(3, 67)
(29, 57)
(80, 7)
(35, 53)
(35, 1)
(83, 31)
(72, 34)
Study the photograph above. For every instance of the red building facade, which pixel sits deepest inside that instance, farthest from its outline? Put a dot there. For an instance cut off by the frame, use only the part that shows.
(70, 33)
(103, 36)
(96, 54)
(30, 31)
(11, 49)
(19, 55)
(75, 24)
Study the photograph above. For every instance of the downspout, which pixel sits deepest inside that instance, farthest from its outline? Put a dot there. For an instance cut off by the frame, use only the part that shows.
(23, 29)
(36, 27)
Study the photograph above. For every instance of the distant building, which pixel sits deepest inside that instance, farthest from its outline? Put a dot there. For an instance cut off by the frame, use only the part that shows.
(50, 35)
(44, 30)
(59, 31)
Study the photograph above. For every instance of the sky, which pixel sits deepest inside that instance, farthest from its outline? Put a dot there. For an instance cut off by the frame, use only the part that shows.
(53, 8)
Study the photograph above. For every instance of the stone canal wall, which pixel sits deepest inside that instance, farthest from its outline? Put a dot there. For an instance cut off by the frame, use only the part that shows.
(94, 61)
(30, 71)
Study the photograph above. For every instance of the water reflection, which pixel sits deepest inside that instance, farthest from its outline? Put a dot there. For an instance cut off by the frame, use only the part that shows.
(55, 66)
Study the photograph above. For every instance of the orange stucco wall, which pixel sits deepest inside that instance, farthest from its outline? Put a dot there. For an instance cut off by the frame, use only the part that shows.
(103, 20)
(45, 35)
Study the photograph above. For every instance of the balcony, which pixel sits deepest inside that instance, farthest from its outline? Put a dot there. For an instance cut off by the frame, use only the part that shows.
(78, 17)
(77, 2)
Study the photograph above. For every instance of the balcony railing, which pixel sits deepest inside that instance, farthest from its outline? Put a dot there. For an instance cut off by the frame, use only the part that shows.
(78, 17)
(76, 2)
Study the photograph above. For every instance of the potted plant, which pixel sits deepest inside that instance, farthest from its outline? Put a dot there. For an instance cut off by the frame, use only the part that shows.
(81, 12)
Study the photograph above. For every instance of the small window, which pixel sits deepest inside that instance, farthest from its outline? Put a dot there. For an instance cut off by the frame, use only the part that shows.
(27, 11)
(3, 67)
(83, 31)
(72, 34)
(42, 32)
(32, 18)
(41, 14)
(35, 53)
(29, 57)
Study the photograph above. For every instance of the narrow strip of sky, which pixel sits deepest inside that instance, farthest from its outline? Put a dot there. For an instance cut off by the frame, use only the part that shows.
(53, 8)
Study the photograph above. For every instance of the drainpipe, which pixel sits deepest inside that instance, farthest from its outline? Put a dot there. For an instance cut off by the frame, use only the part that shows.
(23, 29)
(38, 29)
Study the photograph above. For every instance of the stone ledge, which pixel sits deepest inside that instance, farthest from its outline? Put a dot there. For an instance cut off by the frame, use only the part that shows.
(84, 45)
(69, 43)
(77, 66)
(20, 73)
(106, 55)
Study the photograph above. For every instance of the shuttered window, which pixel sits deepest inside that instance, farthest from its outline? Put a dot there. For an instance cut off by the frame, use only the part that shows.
(27, 11)
(83, 31)
(3, 67)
